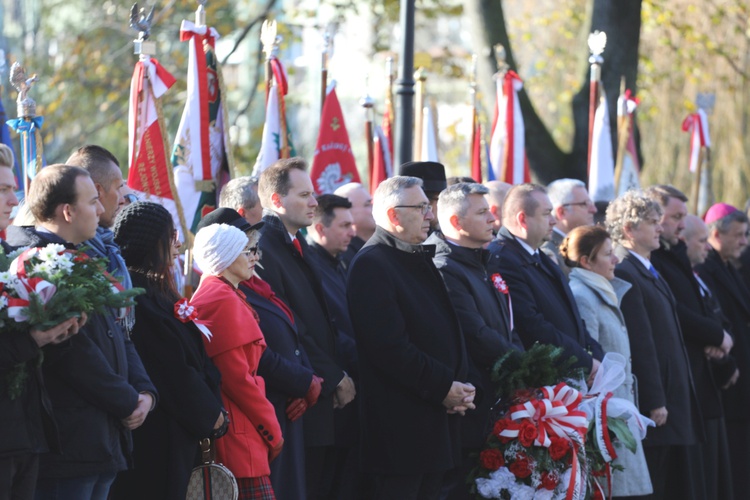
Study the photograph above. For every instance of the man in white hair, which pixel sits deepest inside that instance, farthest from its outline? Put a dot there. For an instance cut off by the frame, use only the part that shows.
(413, 363)
(572, 208)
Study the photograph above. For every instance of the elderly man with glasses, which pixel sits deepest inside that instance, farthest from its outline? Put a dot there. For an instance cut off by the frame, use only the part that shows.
(412, 357)
(572, 208)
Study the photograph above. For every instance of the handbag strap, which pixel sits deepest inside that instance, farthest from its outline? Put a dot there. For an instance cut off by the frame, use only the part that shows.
(208, 454)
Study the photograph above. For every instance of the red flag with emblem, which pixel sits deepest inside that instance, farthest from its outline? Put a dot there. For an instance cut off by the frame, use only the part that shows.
(333, 162)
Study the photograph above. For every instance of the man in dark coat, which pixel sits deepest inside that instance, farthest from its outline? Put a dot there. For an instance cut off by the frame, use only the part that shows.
(364, 224)
(660, 363)
(329, 237)
(96, 381)
(287, 195)
(412, 357)
(727, 228)
(544, 309)
(481, 303)
(28, 427)
(700, 329)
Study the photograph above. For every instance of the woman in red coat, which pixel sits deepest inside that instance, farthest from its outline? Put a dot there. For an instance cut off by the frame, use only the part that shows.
(235, 346)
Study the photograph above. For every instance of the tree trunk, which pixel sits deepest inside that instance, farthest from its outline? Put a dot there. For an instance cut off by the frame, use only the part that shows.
(621, 21)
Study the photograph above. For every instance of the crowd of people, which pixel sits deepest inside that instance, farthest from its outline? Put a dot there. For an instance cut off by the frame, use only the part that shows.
(339, 346)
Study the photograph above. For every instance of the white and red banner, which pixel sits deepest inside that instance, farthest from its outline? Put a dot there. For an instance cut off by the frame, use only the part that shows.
(201, 155)
(271, 147)
(697, 125)
(629, 166)
(602, 167)
(333, 162)
(507, 144)
(150, 173)
(476, 150)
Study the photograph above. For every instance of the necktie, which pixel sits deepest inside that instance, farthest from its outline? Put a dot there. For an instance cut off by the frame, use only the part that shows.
(653, 271)
(537, 258)
(298, 246)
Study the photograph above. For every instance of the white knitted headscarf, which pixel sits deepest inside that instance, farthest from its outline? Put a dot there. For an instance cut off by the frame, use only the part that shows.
(217, 246)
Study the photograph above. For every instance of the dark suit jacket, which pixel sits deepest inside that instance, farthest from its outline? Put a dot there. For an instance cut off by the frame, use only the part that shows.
(410, 351)
(660, 363)
(297, 283)
(700, 327)
(287, 372)
(485, 321)
(544, 309)
(734, 298)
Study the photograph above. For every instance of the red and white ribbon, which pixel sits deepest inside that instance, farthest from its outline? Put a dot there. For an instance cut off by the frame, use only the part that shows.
(185, 312)
(697, 124)
(499, 283)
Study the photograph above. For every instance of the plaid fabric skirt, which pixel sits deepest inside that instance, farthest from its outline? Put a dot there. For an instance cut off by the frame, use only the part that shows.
(255, 488)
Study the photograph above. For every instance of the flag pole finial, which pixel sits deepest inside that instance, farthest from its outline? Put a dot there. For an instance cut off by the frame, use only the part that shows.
(597, 41)
(200, 13)
(270, 39)
(25, 105)
(500, 56)
(141, 22)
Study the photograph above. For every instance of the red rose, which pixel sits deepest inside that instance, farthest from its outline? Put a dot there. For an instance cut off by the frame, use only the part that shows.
(500, 426)
(559, 448)
(550, 480)
(491, 459)
(521, 467)
(527, 434)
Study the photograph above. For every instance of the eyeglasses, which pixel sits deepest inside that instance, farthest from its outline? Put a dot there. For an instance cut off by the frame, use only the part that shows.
(251, 250)
(585, 204)
(130, 198)
(422, 207)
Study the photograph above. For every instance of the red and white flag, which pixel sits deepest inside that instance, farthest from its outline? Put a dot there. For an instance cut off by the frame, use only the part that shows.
(602, 168)
(150, 172)
(201, 154)
(697, 124)
(333, 162)
(382, 166)
(271, 146)
(507, 145)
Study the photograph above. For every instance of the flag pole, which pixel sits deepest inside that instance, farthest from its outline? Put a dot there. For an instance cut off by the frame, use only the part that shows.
(367, 103)
(391, 77)
(474, 115)
(270, 47)
(596, 41)
(324, 70)
(701, 186)
(27, 125)
(623, 133)
(421, 79)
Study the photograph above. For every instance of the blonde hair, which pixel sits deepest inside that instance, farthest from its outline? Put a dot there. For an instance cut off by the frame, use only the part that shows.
(6, 156)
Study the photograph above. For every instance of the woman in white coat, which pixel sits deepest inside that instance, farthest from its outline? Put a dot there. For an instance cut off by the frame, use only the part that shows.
(588, 251)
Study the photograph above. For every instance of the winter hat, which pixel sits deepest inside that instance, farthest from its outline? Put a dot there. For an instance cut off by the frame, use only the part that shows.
(216, 246)
(718, 211)
(224, 215)
(137, 227)
(432, 174)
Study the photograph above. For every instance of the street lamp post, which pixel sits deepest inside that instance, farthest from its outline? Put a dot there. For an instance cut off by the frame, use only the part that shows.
(405, 86)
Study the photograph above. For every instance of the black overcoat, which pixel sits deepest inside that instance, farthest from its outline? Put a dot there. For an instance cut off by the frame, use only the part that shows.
(410, 351)
(295, 281)
(166, 446)
(660, 364)
(700, 326)
(485, 322)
